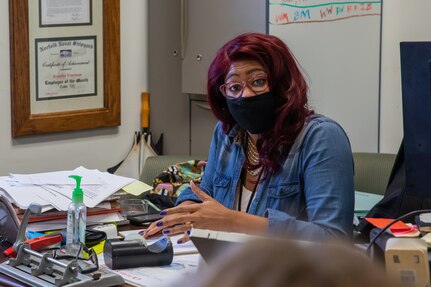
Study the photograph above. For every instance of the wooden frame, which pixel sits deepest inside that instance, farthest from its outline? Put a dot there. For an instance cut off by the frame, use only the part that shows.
(26, 123)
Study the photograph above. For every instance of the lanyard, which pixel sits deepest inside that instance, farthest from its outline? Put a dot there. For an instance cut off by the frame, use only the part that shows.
(252, 194)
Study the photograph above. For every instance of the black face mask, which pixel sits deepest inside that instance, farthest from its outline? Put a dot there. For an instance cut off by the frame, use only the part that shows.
(255, 114)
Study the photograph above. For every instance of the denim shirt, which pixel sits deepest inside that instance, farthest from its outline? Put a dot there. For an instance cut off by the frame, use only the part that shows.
(310, 197)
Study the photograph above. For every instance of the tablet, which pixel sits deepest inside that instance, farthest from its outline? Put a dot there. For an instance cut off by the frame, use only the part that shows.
(210, 243)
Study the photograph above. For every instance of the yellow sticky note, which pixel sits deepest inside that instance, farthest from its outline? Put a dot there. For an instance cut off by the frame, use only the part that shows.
(137, 187)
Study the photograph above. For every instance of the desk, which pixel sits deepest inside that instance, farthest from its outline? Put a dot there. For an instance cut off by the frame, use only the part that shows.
(178, 260)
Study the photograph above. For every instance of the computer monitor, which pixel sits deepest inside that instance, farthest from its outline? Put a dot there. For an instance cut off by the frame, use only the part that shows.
(416, 99)
(409, 186)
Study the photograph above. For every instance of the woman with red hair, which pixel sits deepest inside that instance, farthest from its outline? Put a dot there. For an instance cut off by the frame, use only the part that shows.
(274, 166)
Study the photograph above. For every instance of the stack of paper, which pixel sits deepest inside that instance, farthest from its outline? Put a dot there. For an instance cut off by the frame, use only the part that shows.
(53, 190)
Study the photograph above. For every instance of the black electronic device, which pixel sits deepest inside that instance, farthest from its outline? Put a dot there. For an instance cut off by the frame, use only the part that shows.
(409, 184)
(8, 224)
(142, 219)
(120, 254)
(416, 91)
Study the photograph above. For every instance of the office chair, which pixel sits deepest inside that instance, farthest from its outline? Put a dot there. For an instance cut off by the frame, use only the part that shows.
(372, 171)
(154, 165)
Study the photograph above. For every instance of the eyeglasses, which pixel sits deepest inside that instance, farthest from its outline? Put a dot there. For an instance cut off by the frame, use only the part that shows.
(235, 90)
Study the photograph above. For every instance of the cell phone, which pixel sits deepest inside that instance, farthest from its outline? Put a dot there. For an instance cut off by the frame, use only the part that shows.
(143, 218)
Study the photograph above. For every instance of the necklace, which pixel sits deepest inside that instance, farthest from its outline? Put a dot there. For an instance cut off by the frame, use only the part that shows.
(253, 165)
(253, 193)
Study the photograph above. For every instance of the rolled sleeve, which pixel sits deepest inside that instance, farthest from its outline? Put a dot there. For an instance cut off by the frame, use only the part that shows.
(187, 194)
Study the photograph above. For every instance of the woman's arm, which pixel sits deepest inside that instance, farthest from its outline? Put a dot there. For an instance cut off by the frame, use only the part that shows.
(209, 214)
(327, 179)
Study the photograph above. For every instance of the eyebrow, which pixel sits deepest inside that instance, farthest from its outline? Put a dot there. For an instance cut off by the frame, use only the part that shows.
(229, 75)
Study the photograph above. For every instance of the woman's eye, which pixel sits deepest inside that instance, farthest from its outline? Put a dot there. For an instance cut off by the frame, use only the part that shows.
(259, 82)
(235, 87)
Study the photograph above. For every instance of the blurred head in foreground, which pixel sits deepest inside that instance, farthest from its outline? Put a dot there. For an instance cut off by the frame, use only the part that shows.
(277, 263)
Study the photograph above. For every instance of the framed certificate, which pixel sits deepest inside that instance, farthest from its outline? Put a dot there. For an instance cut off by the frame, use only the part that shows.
(65, 12)
(65, 65)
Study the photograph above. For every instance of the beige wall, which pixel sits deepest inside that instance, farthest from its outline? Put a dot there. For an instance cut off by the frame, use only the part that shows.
(102, 148)
(97, 148)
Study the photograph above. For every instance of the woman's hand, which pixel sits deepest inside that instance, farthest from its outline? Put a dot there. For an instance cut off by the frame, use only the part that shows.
(209, 214)
(155, 230)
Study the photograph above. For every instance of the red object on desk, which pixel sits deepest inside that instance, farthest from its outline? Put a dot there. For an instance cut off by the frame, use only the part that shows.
(382, 222)
(399, 228)
(36, 244)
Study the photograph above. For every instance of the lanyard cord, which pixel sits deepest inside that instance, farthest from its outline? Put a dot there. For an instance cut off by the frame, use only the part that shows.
(252, 194)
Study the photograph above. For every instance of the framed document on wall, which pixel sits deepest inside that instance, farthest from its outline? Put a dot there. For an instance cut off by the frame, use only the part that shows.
(65, 65)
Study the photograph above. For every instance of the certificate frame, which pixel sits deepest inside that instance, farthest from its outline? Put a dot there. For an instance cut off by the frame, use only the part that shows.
(85, 21)
(66, 44)
(24, 122)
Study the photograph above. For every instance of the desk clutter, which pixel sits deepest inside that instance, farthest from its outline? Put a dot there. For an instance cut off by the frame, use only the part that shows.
(404, 247)
(33, 220)
(53, 268)
(57, 267)
(102, 194)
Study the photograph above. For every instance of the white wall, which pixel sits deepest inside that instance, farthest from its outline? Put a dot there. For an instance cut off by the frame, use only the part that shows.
(96, 148)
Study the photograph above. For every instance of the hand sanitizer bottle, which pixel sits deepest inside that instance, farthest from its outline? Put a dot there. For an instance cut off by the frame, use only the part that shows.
(76, 220)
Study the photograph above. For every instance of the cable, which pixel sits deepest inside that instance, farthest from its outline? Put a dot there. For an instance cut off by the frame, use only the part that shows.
(393, 222)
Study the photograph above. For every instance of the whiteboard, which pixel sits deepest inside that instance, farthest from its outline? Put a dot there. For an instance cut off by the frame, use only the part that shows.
(337, 44)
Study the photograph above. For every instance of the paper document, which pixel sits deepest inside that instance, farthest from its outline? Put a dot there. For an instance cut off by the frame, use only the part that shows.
(58, 177)
(169, 275)
(364, 201)
(22, 196)
(23, 193)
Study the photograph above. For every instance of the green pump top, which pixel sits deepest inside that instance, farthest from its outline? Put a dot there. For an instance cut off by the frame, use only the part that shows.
(77, 195)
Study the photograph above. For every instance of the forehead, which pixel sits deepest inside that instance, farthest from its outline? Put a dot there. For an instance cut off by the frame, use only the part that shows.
(244, 68)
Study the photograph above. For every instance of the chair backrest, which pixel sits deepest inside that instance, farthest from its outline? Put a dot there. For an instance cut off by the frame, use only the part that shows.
(372, 171)
(154, 165)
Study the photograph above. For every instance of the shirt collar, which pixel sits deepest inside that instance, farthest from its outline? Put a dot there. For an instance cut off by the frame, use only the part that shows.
(236, 135)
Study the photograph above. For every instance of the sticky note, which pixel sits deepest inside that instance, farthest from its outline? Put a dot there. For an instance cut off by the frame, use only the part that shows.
(137, 188)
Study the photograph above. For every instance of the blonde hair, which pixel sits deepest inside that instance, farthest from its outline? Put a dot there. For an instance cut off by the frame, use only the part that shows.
(277, 263)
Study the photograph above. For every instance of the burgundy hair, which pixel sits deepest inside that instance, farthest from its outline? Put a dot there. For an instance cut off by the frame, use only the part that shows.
(285, 81)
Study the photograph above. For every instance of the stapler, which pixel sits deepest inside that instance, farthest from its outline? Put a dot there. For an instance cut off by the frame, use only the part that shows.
(43, 270)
